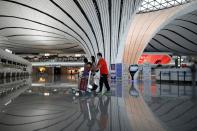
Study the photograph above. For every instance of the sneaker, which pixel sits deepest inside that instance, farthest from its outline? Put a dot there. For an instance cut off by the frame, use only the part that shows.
(94, 87)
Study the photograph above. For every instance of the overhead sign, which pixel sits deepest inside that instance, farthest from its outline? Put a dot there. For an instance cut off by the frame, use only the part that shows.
(113, 71)
(154, 59)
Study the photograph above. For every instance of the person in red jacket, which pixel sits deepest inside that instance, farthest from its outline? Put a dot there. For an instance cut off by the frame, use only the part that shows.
(102, 66)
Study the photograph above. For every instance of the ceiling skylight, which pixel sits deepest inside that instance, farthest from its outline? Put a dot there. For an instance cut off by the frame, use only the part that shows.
(154, 5)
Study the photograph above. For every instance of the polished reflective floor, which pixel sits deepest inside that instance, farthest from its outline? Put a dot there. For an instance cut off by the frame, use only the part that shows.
(47, 103)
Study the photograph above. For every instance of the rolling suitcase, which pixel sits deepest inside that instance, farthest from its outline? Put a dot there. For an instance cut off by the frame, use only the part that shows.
(83, 84)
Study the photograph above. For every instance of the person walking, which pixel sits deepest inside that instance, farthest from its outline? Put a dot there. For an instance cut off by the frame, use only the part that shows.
(86, 68)
(84, 79)
(102, 66)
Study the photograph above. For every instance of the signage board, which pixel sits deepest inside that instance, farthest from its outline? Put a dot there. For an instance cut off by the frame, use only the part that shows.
(113, 71)
(119, 70)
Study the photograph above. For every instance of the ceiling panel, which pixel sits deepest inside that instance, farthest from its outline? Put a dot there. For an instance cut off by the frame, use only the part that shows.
(93, 25)
(180, 35)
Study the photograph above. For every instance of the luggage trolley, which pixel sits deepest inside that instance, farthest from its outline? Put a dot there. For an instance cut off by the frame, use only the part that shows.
(84, 85)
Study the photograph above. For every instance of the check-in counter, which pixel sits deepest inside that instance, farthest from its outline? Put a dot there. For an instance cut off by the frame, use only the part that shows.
(174, 74)
(13, 66)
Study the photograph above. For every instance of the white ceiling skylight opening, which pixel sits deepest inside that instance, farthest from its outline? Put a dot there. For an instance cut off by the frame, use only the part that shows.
(154, 5)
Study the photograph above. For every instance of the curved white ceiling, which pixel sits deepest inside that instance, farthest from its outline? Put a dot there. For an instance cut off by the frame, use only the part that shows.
(159, 29)
(178, 37)
(66, 25)
(91, 26)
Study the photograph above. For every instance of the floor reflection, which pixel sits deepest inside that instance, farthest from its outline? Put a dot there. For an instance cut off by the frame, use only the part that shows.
(54, 78)
(56, 81)
(95, 112)
(56, 108)
(174, 104)
(47, 103)
(155, 89)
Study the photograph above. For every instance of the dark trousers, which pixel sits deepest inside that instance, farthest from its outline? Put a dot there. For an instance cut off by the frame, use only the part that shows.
(103, 79)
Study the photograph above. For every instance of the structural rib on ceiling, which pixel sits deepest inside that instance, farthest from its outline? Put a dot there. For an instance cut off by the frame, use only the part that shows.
(77, 25)
(96, 25)
(25, 28)
(56, 19)
(46, 26)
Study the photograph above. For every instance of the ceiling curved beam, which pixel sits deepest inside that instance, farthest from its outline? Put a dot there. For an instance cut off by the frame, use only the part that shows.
(25, 28)
(78, 25)
(39, 50)
(120, 19)
(9, 43)
(87, 49)
(56, 19)
(193, 42)
(79, 6)
(26, 46)
(110, 28)
(19, 35)
(100, 23)
(149, 44)
(184, 28)
(174, 42)
(70, 47)
(169, 49)
(187, 21)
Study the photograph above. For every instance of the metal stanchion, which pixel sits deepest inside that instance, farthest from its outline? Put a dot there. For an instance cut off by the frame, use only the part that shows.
(160, 77)
(178, 81)
(170, 81)
(193, 71)
(169, 76)
(160, 82)
(184, 75)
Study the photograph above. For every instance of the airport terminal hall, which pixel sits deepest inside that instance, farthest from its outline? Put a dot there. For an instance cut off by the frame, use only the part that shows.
(98, 65)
